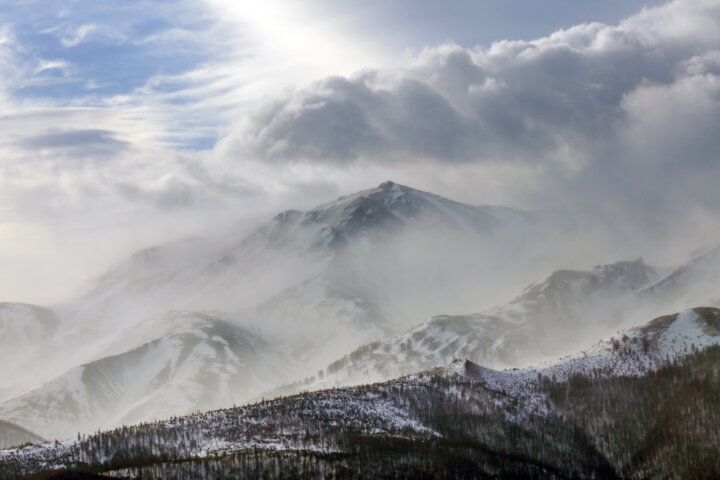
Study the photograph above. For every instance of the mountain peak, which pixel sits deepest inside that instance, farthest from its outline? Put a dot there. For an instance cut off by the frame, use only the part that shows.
(390, 185)
(381, 210)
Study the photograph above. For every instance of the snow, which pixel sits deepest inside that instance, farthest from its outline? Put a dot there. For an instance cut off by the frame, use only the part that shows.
(201, 362)
(625, 356)
(687, 331)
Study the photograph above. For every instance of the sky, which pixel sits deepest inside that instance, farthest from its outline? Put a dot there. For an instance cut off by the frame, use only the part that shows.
(131, 123)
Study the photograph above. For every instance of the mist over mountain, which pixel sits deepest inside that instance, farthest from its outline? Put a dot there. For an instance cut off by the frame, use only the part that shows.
(211, 322)
(330, 296)
(13, 435)
(695, 281)
(550, 317)
(335, 295)
(24, 332)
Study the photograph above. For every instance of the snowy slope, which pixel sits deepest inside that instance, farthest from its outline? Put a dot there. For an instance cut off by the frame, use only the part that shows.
(196, 361)
(565, 309)
(634, 352)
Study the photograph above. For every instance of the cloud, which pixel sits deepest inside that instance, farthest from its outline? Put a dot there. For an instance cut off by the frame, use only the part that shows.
(453, 104)
(76, 144)
(609, 115)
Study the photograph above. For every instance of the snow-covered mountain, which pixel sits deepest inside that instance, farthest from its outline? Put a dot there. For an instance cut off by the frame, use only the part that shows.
(312, 285)
(378, 211)
(294, 246)
(185, 361)
(359, 241)
(210, 322)
(637, 406)
(565, 309)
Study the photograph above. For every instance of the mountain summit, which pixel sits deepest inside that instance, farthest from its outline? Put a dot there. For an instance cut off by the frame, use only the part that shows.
(380, 210)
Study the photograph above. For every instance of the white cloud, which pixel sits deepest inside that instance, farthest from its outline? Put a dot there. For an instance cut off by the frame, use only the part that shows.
(45, 65)
(594, 110)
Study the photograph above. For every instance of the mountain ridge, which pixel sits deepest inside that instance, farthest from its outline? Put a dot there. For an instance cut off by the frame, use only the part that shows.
(528, 325)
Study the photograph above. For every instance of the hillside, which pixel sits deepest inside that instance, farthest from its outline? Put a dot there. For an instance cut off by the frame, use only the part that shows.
(185, 361)
(565, 309)
(616, 411)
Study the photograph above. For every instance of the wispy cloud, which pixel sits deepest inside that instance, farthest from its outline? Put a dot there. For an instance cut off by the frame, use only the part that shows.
(72, 36)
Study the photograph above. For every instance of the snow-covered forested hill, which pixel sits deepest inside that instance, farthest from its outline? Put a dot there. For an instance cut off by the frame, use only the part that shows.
(617, 410)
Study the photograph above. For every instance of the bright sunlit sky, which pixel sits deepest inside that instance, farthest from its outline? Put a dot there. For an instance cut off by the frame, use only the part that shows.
(131, 123)
(183, 68)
